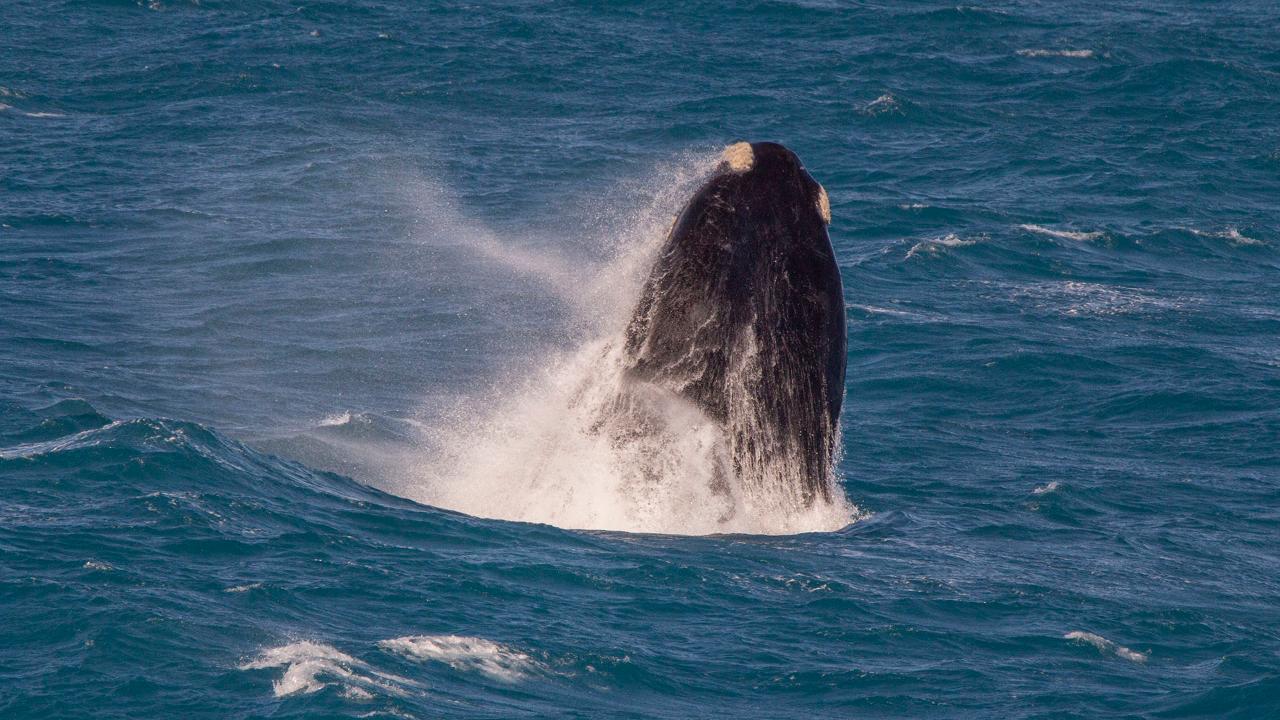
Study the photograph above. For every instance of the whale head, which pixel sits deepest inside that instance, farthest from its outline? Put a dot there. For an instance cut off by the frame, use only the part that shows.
(742, 314)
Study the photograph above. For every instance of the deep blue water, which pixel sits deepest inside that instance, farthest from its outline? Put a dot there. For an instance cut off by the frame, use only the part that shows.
(268, 270)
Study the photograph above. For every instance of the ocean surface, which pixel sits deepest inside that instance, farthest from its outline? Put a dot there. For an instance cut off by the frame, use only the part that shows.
(295, 296)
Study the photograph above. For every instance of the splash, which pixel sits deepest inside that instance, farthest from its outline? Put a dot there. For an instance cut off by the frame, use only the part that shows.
(574, 442)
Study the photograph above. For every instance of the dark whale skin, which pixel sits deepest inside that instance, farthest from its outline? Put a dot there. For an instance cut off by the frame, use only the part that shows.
(743, 315)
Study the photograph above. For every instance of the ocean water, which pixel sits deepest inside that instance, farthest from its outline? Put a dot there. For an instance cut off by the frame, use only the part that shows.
(296, 297)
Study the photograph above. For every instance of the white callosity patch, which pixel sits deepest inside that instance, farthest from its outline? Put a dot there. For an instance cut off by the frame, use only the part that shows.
(740, 157)
(824, 205)
(465, 653)
(1106, 646)
(578, 444)
(310, 666)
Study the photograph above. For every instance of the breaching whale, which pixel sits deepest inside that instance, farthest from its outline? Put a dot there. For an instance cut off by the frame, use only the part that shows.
(743, 315)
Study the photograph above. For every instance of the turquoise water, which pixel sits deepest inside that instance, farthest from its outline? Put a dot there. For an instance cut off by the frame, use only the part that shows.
(292, 296)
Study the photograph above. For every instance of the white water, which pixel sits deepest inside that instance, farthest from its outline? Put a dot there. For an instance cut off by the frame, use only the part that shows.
(465, 653)
(310, 666)
(1106, 646)
(552, 442)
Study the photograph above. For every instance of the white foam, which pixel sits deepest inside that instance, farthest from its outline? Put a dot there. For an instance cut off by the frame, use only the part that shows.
(465, 653)
(97, 565)
(310, 666)
(545, 455)
(538, 446)
(1106, 646)
(1064, 234)
(84, 438)
(882, 105)
(5, 107)
(335, 419)
(1075, 298)
(1046, 489)
(877, 310)
(1232, 234)
(1041, 52)
(243, 588)
(937, 245)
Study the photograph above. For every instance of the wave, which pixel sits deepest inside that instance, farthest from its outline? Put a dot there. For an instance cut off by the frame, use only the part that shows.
(465, 653)
(307, 666)
(311, 666)
(950, 240)
(1041, 52)
(1230, 234)
(4, 107)
(1064, 234)
(1106, 646)
(886, 104)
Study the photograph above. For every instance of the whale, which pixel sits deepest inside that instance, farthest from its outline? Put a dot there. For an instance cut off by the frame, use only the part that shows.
(742, 315)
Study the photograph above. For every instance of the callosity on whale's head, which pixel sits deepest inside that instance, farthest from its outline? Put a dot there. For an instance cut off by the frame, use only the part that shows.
(743, 315)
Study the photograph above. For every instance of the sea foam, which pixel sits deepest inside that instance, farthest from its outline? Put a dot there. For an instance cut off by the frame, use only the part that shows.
(465, 653)
(1064, 234)
(1106, 646)
(1042, 52)
(310, 666)
(937, 245)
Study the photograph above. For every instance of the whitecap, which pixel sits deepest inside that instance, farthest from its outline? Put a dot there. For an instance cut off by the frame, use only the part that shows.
(885, 104)
(28, 451)
(335, 419)
(876, 310)
(1041, 52)
(465, 653)
(310, 666)
(1106, 646)
(4, 107)
(1064, 234)
(243, 588)
(1046, 489)
(937, 245)
(1231, 234)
